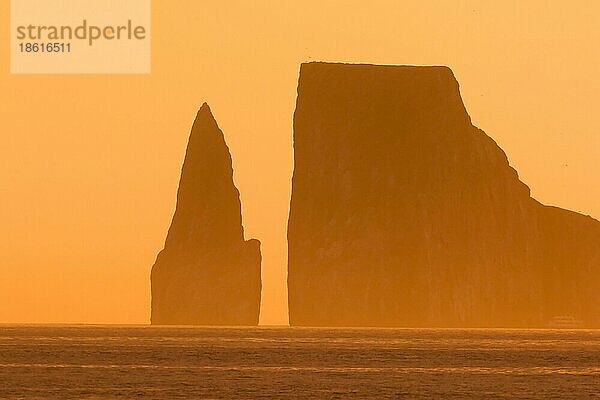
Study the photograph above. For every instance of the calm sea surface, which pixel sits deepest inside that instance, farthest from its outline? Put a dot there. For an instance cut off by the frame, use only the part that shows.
(127, 362)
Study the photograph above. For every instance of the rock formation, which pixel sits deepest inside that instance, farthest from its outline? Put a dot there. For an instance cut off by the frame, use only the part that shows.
(405, 214)
(207, 274)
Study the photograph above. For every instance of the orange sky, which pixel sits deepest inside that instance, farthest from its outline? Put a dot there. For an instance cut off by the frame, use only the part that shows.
(89, 164)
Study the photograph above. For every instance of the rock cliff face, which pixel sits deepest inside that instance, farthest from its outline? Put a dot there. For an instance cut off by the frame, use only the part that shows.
(207, 274)
(405, 214)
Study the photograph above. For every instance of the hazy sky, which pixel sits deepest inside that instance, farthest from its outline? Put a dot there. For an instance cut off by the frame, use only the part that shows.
(89, 164)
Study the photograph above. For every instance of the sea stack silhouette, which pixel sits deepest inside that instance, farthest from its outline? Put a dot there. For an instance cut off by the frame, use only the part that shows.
(405, 214)
(207, 274)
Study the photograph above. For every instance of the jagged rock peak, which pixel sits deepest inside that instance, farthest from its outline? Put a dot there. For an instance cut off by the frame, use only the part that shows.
(207, 273)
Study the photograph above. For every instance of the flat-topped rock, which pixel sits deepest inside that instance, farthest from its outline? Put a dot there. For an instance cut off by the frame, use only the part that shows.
(405, 214)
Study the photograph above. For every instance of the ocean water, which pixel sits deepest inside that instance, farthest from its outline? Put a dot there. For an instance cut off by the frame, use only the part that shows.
(129, 362)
